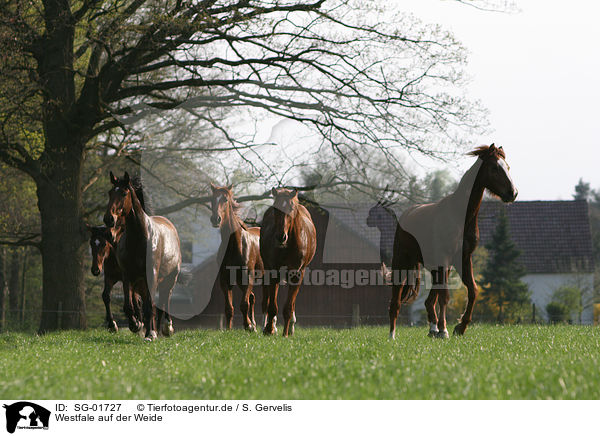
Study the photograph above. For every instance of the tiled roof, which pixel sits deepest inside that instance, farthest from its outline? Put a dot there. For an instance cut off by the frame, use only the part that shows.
(553, 236)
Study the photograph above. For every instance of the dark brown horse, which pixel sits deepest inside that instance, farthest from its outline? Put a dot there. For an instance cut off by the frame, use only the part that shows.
(148, 254)
(238, 256)
(444, 234)
(104, 260)
(288, 241)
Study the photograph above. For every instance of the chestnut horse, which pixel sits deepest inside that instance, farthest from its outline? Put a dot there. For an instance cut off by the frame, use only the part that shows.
(288, 241)
(239, 254)
(104, 260)
(445, 234)
(148, 254)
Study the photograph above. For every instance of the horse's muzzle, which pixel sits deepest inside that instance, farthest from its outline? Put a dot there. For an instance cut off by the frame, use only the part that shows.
(95, 271)
(511, 197)
(215, 221)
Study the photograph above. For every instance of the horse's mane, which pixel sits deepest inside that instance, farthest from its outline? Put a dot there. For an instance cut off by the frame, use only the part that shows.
(136, 182)
(484, 150)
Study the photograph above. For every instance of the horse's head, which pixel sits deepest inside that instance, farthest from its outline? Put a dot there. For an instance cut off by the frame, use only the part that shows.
(379, 214)
(100, 243)
(285, 205)
(119, 200)
(494, 172)
(222, 198)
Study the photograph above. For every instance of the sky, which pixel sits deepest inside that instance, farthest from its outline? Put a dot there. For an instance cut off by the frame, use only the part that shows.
(537, 70)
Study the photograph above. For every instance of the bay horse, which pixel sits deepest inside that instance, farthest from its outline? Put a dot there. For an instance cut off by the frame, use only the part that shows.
(239, 252)
(440, 235)
(104, 260)
(148, 254)
(288, 241)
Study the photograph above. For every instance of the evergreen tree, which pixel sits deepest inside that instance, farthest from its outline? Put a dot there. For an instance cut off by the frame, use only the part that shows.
(582, 191)
(503, 289)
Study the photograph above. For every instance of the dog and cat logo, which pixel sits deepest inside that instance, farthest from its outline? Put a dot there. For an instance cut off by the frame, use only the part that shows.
(26, 415)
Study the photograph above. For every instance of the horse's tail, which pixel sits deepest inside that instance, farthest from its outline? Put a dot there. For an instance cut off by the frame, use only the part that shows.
(410, 292)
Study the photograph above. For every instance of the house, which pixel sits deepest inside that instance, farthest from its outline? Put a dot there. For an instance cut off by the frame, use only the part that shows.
(556, 247)
(554, 237)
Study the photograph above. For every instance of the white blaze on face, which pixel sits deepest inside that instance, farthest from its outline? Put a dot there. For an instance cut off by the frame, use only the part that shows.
(97, 242)
(504, 166)
(117, 189)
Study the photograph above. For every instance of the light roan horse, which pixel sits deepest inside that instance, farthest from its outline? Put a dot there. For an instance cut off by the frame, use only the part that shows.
(445, 234)
(148, 254)
(238, 255)
(288, 241)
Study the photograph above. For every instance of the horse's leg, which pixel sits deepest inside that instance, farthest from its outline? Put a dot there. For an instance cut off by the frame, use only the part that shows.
(469, 281)
(252, 301)
(245, 307)
(148, 309)
(395, 305)
(443, 299)
(265, 305)
(431, 315)
(134, 324)
(271, 324)
(165, 290)
(110, 321)
(137, 307)
(289, 310)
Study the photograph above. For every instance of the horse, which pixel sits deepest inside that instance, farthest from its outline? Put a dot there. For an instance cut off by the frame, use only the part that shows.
(440, 235)
(239, 252)
(104, 260)
(382, 217)
(288, 241)
(102, 243)
(148, 254)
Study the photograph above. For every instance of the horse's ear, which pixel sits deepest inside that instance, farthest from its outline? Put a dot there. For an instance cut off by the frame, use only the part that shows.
(113, 179)
(492, 147)
(274, 192)
(213, 188)
(126, 177)
(230, 187)
(294, 193)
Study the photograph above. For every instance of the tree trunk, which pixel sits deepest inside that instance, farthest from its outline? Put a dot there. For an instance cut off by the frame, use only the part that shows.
(13, 284)
(2, 288)
(23, 287)
(64, 237)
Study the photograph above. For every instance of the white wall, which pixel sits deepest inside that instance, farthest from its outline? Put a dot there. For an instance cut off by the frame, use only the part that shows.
(542, 286)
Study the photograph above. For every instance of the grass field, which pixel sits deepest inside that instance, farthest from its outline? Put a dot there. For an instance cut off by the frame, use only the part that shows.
(511, 362)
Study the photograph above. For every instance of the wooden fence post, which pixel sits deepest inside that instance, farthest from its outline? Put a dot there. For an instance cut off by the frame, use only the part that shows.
(355, 315)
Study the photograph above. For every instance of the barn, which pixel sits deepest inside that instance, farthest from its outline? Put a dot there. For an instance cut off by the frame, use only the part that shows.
(554, 237)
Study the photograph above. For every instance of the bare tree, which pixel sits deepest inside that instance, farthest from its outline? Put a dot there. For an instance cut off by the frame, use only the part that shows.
(73, 72)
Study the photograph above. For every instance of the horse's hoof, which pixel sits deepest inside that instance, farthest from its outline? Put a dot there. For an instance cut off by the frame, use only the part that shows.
(432, 333)
(442, 334)
(151, 336)
(251, 328)
(392, 335)
(168, 330)
(112, 327)
(458, 330)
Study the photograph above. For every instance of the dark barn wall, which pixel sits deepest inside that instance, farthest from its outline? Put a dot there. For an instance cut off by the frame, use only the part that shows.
(317, 305)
